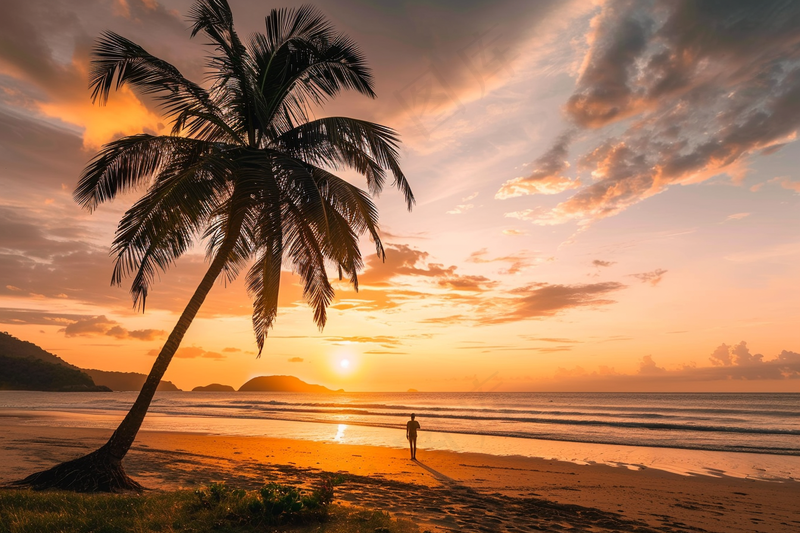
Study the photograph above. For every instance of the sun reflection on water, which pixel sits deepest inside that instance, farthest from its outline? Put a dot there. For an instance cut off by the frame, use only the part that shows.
(340, 433)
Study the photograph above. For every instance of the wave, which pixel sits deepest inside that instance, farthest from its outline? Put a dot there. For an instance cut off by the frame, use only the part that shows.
(642, 412)
(629, 424)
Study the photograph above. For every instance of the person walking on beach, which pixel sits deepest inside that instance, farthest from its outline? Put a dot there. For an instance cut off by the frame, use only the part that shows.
(411, 434)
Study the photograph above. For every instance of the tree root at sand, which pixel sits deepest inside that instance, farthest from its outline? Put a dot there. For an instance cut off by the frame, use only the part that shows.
(96, 472)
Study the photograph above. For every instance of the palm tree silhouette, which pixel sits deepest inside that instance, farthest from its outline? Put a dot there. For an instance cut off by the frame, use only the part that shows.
(245, 168)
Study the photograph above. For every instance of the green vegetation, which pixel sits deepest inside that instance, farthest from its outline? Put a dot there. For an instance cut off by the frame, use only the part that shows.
(35, 374)
(214, 508)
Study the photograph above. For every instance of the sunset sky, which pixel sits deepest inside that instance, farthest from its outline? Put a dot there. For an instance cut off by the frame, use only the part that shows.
(607, 199)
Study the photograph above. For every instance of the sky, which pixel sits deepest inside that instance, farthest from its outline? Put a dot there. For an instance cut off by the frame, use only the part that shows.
(607, 200)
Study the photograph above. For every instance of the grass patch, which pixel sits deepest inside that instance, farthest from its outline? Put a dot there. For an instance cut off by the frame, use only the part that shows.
(214, 508)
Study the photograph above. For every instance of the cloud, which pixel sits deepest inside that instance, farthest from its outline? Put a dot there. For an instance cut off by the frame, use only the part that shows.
(459, 209)
(547, 176)
(541, 300)
(738, 355)
(514, 232)
(100, 325)
(653, 278)
(729, 364)
(193, 352)
(17, 316)
(559, 340)
(787, 183)
(517, 262)
(405, 262)
(599, 263)
(45, 59)
(386, 341)
(231, 350)
(295, 359)
(687, 90)
(737, 216)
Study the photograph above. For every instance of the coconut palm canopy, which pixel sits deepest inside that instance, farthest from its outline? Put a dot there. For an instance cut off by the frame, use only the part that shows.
(245, 166)
(246, 169)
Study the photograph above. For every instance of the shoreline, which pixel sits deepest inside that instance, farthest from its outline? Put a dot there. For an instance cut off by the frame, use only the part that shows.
(444, 491)
(682, 461)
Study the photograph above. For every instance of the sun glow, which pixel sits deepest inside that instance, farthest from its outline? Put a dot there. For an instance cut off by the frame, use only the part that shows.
(345, 364)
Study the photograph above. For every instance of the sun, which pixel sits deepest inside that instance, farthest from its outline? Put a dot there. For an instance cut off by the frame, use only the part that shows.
(345, 364)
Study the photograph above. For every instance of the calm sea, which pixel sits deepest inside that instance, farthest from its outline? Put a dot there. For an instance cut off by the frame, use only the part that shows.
(498, 423)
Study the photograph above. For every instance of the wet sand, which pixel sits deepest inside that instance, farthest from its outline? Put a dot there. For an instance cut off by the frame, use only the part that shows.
(442, 491)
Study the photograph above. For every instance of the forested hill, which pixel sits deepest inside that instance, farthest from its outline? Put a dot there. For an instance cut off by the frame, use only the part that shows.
(14, 347)
(26, 366)
(20, 373)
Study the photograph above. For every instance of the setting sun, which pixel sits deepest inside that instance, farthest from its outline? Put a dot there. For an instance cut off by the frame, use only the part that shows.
(345, 364)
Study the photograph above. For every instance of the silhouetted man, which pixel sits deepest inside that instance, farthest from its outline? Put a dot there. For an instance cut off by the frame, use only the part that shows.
(411, 434)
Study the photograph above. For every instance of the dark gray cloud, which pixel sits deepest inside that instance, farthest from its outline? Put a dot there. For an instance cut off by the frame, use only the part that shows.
(36, 152)
(100, 325)
(17, 316)
(694, 89)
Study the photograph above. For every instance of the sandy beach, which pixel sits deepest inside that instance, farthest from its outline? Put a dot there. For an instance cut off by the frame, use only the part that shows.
(443, 491)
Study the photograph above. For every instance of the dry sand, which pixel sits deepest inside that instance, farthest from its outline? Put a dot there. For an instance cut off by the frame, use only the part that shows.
(443, 491)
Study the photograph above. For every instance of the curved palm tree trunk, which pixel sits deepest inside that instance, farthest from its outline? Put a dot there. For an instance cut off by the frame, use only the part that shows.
(102, 469)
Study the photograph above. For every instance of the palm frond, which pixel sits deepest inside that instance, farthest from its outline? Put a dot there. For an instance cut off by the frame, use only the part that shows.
(163, 224)
(264, 277)
(301, 60)
(303, 247)
(366, 147)
(231, 67)
(352, 203)
(117, 59)
(127, 163)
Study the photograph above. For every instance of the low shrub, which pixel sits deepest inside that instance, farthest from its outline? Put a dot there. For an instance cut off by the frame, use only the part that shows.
(274, 503)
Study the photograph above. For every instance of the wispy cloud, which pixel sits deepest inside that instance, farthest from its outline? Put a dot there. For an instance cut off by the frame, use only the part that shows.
(653, 278)
(193, 352)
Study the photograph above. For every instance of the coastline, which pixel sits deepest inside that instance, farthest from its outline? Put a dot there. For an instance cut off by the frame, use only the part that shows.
(444, 491)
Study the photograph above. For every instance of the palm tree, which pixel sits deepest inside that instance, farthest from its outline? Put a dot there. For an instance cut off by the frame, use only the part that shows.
(246, 169)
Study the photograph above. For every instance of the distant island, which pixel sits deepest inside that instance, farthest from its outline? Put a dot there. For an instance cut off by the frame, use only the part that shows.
(282, 384)
(214, 387)
(412, 390)
(29, 367)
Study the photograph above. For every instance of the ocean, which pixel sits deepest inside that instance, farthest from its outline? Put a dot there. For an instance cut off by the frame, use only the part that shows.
(747, 435)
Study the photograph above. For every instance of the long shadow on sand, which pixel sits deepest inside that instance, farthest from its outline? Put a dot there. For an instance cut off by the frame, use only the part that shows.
(438, 475)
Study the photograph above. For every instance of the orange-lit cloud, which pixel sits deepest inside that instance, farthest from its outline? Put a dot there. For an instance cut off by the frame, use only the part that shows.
(384, 340)
(547, 176)
(517, 262)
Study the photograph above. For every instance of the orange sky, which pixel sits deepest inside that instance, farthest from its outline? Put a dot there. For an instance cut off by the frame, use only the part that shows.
(607, 200)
